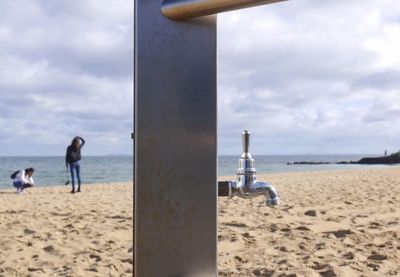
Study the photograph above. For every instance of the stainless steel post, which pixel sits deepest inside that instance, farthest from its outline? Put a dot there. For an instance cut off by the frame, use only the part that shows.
(175, 145)
(175, 183)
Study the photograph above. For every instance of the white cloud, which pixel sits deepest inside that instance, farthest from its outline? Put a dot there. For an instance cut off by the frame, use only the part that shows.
(304, 76)
(65, 70)
(311, 77)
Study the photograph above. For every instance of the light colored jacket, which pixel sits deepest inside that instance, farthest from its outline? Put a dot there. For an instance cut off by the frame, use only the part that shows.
(22, 177)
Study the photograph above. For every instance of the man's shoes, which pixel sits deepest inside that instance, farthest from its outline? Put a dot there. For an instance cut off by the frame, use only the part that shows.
(73, 191)
(79, 190)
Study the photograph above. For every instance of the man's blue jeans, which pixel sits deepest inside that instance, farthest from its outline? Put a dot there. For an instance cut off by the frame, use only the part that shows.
(75, 169)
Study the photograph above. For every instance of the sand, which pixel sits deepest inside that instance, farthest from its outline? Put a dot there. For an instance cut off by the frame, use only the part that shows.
(337, 223)
(50, 232)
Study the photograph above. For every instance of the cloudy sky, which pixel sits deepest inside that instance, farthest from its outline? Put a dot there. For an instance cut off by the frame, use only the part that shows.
(66, 69)
(311, 76)
(304, 76)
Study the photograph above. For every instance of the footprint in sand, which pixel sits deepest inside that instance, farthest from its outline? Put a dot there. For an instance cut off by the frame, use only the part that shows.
(374, 225)
(374, 267)
(282, 262)
(302, 228)
(32, 269)
(311, 213)
(273, 228)
(235, 224)
(285, 230)
(377, 257)
(240, 260)
(349, 256)
(282, 249)
(320, 246)
(93, 268)
(74, 231)
(221, 238)
(97, 258)
(233, 238)
(249, 239)
(128, 260)
(29, 231)
(96, 242)
(263, 272)
(318, 266)
(340, 233)
(50, 249)
(329, 273)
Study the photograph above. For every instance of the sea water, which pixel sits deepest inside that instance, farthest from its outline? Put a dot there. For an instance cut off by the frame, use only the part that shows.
(51, 171)
(227, 165)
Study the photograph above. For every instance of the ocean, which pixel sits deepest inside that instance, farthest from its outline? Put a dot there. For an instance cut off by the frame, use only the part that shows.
(51, 171)
(227, 165)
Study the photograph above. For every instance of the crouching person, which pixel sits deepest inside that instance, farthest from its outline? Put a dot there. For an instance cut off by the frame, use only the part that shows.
(23, 179)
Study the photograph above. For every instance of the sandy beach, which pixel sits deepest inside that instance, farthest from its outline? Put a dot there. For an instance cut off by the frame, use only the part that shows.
(336, 223)
(50, 232)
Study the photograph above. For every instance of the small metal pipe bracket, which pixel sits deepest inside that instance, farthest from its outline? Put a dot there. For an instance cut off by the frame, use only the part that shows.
(182, 10)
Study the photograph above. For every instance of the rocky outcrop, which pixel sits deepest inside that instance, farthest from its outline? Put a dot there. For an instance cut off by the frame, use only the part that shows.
(392, 159)
(305, 162)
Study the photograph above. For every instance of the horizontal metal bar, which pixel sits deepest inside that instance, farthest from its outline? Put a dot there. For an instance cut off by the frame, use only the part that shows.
(187, 9)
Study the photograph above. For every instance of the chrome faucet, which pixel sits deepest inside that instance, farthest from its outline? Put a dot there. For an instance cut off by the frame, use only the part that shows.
(246, 185)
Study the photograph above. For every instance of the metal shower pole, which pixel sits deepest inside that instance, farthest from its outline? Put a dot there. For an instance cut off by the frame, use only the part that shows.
(175, 186)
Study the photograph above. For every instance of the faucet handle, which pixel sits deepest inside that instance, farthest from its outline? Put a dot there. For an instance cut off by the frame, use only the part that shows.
(246, 144)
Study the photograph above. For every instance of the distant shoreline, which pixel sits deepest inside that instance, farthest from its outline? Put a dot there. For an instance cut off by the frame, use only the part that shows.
(62, 156)
(68, 187)
(52, 171)
(391, 159)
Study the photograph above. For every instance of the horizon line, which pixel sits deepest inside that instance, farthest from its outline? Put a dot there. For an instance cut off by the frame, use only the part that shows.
(132, 155)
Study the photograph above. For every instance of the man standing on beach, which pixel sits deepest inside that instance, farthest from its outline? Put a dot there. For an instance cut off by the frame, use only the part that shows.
(23, 179)
(72, 159)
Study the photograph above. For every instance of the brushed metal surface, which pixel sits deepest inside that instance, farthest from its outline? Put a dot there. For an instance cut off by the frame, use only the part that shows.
(175, 145)
(187, 9)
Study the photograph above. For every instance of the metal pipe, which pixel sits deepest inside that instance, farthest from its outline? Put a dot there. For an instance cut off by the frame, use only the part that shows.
(224, 188)
(188, 9)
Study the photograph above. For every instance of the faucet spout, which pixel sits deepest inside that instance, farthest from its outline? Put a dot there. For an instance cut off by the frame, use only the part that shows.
(254, 189)
(268, 190)
(246, 185)
(250, 190)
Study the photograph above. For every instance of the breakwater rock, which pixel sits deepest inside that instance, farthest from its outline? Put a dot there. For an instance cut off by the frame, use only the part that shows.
(391, 159)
